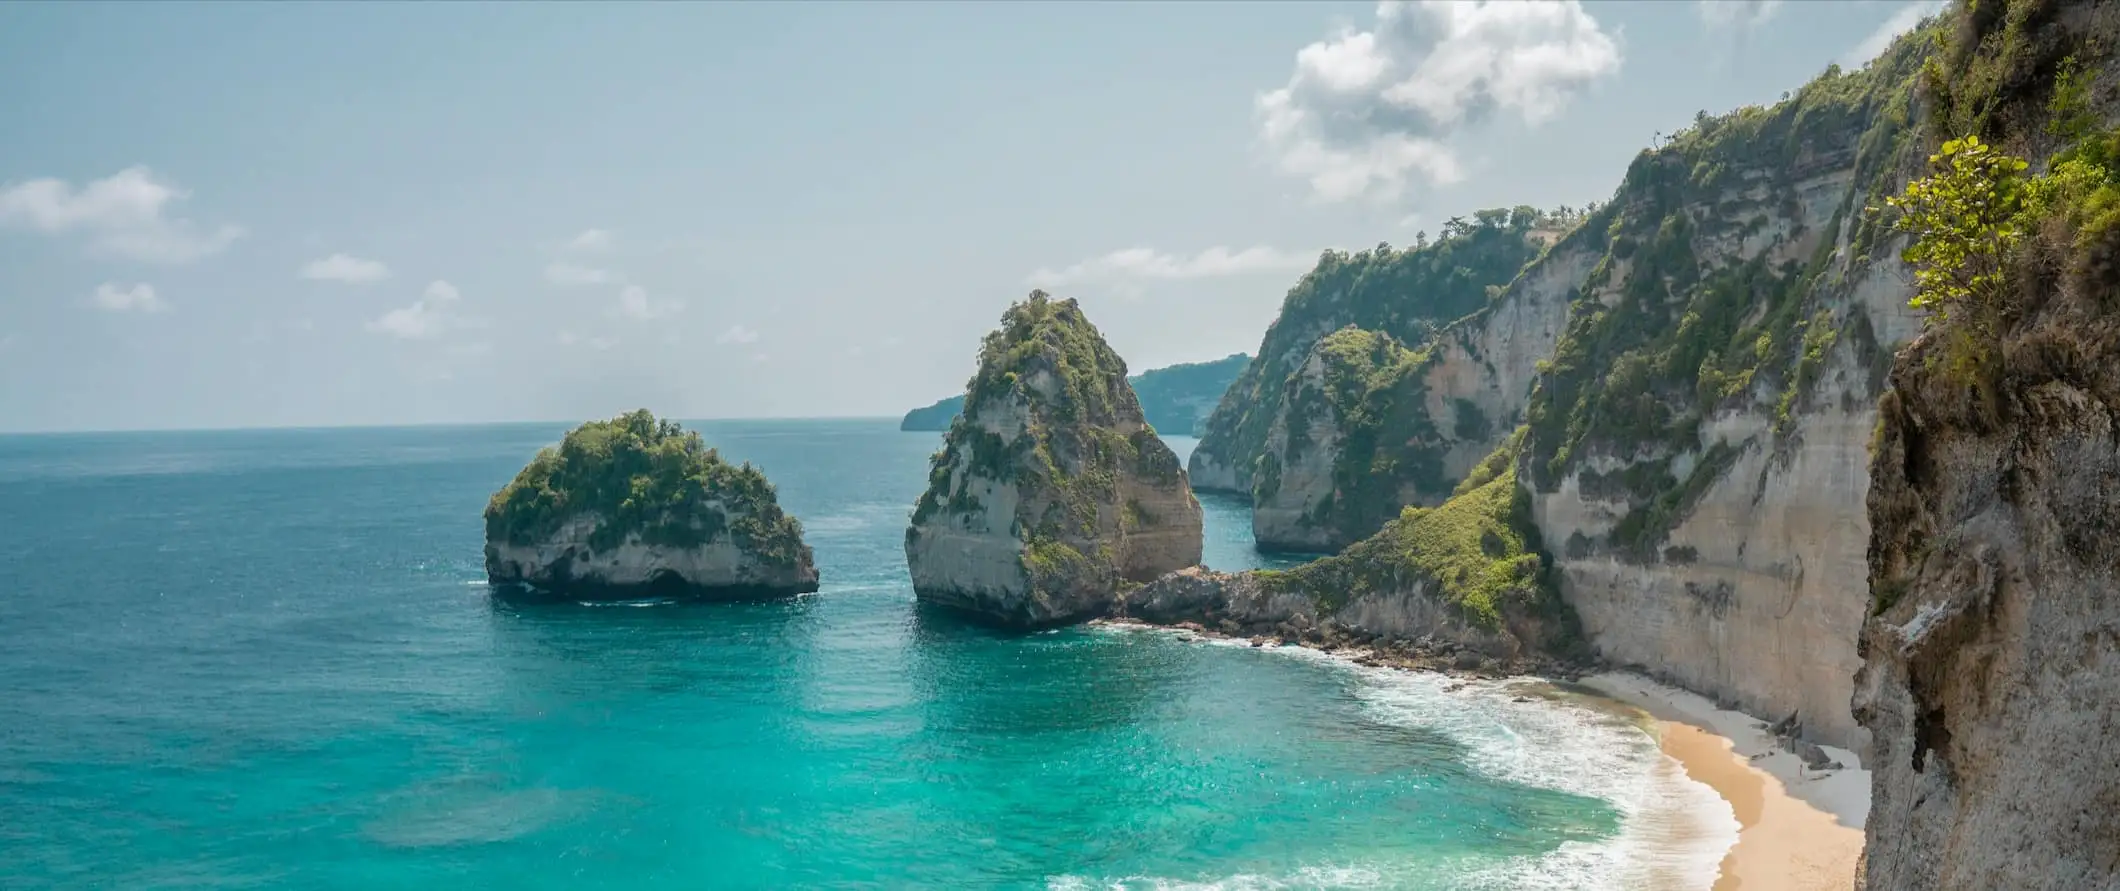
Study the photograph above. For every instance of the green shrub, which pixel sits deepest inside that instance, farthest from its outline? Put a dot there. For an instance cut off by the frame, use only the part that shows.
(649, 478)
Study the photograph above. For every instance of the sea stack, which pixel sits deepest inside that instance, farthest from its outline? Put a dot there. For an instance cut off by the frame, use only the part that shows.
(634, 507)
(1050, 493)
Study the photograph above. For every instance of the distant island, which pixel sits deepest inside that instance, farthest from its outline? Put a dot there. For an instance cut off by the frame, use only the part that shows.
(1175, 400)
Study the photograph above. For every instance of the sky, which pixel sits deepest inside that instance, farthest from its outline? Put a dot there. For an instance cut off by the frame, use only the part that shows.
(318, 214)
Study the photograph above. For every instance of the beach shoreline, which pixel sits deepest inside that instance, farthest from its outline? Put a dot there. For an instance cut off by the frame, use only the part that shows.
(1800, 829)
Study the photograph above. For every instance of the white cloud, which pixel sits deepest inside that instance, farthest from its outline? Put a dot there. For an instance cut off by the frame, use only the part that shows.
(123, 214)
(634, 303)
(1881, 39)
(591, 240)
(343, 268)
(1738, 13)
(574, 275)
(427, 317)
(1148, 263)
(138, 298)
(737, 334)
(1369, 111)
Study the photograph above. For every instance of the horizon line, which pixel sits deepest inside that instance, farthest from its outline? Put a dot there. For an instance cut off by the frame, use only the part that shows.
(412, 425)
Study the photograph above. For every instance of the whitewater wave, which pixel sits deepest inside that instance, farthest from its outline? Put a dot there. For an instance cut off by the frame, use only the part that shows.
(1673, 831)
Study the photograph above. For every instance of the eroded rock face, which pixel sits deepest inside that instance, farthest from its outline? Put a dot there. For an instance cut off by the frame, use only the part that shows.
(633, 507)
(1051, 493)
(1991, 677)
(570, 562)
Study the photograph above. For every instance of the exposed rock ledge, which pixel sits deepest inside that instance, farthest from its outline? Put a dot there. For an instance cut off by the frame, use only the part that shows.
(567, 563)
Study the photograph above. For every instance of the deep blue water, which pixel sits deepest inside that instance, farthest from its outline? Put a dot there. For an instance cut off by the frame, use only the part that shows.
(268, 659)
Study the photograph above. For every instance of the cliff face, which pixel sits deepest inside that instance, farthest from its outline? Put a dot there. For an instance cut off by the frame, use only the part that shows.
(1991, 664)
(1696, 443)
(635, 506)
(1050, 493)
(1369, 425)
(1406, 294)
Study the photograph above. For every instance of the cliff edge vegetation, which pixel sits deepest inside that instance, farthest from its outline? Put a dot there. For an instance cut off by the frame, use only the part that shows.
(1991, 663)
(640, 505)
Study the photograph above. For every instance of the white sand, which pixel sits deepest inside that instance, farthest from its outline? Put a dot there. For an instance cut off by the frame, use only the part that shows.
(1802, 829)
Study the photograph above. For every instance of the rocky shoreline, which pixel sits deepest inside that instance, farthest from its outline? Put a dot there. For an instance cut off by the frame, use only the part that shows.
(1429, 654)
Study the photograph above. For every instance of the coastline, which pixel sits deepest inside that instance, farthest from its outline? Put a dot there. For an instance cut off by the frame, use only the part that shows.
(1800, 829)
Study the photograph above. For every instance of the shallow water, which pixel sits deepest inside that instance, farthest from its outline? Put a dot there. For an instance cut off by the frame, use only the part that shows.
(268, 659)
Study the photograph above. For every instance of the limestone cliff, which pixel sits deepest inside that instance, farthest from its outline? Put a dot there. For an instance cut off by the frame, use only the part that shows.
(1696, 441)
(1407, 294)
(1368, 425)
(1991, 665)
(1050, 492)
(635, 506)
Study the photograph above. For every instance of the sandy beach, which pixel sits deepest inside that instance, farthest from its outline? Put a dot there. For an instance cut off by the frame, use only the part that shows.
(1801, 829)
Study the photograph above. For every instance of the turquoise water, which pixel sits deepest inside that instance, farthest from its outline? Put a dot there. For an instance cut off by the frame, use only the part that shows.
(268, 659)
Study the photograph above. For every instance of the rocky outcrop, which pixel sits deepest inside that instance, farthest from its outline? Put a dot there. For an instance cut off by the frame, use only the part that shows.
(1050, 493)
(1464, 580)
(636, 507)
(1990, 677)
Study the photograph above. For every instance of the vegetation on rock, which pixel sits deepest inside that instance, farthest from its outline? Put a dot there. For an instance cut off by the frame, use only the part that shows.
(1714, 293)
(1371, 388)
(1479, 550)
(1407, 294)
(646, 478)
(1097, 497)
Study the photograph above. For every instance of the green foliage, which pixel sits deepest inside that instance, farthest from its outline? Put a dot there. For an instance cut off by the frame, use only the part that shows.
(649, 478)
(1965, 219)
(934, 417)
(1480, 550)
(1407, 294)
(1045, 339)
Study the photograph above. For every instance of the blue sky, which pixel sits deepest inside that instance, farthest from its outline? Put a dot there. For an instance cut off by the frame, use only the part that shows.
(259, 214)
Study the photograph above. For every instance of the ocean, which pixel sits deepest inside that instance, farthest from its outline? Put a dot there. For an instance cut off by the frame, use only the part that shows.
(268, 659)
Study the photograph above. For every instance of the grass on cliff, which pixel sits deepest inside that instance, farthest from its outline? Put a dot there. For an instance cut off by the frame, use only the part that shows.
(1480, 550)
(647, 477)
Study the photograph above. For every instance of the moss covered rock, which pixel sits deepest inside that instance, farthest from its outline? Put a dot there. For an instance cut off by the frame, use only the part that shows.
(1050, 493)
(636, 506)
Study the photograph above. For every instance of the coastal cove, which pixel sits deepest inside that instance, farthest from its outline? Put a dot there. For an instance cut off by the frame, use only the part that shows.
(316, 690)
